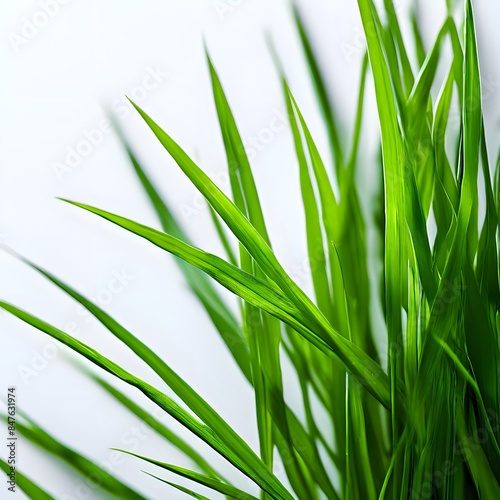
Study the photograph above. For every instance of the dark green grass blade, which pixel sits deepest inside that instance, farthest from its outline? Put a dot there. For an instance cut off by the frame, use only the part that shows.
(487, 252)
(245, 459)
(484, 479)
(209, 482)
(31, 489)
(83, 465)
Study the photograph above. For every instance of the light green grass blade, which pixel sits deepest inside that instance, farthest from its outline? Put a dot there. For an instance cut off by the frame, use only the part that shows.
(231, 257)
(417, 37)
(240, 226)
(393, 163)
(195, 402)
(395, 31)
(239, 166)
(263, 334)
(200, 407)
(31, 489)
(297, 436)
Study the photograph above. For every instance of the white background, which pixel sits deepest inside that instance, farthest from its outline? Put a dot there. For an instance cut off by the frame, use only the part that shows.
(54, 88)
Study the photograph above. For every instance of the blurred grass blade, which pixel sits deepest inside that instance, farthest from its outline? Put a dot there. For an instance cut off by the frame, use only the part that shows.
(102, 478)
(31, 489)
(324, 99)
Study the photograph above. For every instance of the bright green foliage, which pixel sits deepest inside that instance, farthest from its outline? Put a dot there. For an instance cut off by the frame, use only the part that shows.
(422, 421)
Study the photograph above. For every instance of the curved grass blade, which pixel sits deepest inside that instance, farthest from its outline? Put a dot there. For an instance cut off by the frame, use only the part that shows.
(242, 180)
(394, 162)
(296, 437)
(263, 333)
(484, 479)
(195, 402)
(395, 31)
(315, 242)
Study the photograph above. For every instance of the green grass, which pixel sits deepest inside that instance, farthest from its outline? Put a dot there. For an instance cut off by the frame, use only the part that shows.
(422, 424)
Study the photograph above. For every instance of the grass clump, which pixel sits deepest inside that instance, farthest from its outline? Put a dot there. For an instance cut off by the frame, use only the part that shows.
(424, 423)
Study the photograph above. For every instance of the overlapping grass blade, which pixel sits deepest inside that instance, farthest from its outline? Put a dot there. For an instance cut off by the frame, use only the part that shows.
(267, 298)
(219, 313)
